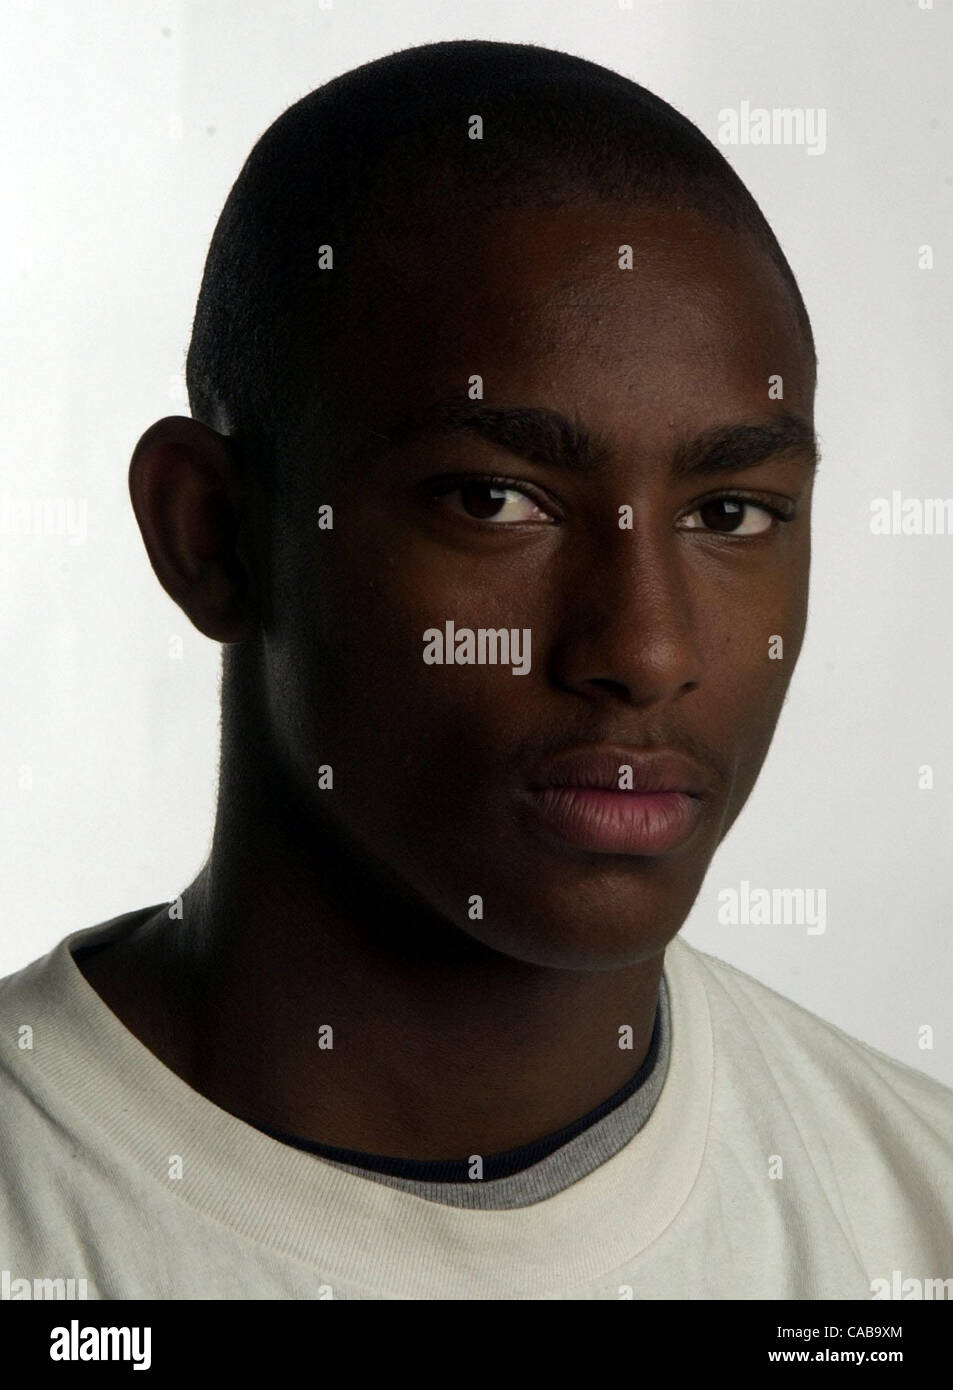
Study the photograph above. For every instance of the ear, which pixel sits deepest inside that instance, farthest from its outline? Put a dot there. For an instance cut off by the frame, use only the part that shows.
(184, 481)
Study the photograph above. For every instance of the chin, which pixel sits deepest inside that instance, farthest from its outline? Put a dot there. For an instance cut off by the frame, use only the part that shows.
(577, 941)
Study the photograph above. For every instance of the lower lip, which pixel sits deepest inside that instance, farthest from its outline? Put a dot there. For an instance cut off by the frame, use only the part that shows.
(614, 822)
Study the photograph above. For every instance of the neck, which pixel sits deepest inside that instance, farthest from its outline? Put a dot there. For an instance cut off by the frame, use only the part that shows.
(440, 1047)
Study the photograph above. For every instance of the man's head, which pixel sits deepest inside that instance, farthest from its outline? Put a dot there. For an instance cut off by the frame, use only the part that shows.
(469, 278)
(426, 139)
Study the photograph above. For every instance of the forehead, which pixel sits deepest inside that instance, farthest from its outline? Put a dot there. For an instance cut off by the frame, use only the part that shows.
(593, 308)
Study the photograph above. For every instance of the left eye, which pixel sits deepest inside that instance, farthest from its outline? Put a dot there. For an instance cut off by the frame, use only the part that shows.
(726, 515)
(495, 502)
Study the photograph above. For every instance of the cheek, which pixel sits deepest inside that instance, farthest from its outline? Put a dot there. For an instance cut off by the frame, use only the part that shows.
(753, 634)
(752, 610)
(748, 698)
(402, 735)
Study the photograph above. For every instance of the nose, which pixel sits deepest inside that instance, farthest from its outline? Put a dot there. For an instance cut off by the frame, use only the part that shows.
(627, 626)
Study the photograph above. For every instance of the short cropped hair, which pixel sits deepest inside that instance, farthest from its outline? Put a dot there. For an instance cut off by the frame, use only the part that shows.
(373, 156)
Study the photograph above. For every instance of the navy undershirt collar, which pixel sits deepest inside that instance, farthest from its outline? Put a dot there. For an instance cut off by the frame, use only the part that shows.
(456, 1170)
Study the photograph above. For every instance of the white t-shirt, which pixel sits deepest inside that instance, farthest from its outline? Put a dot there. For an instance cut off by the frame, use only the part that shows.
(782, 1159)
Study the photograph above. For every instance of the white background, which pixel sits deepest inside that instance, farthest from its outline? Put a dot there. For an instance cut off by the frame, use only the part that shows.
(125, 124)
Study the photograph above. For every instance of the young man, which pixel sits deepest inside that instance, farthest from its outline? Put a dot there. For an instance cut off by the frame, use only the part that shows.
(497, 492)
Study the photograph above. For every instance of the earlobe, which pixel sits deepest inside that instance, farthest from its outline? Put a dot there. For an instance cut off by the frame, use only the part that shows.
(184, 488)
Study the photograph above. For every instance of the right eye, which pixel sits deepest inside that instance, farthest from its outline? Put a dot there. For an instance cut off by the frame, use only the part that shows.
(496, 500)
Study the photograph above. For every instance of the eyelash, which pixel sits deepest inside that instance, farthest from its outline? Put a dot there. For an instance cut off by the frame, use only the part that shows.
(782, 513)
(451, 484)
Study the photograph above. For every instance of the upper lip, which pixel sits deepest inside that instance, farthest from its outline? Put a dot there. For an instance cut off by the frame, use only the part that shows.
(655, 770)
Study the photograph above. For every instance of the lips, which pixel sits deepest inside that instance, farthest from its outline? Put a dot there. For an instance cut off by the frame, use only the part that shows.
(655, 771)
(620, 801)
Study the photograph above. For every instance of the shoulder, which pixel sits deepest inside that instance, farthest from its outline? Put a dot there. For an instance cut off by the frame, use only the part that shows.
(836, 1072)
(863, 1142)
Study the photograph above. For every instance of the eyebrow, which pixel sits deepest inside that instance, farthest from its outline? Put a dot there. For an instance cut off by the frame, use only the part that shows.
(547, 437)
